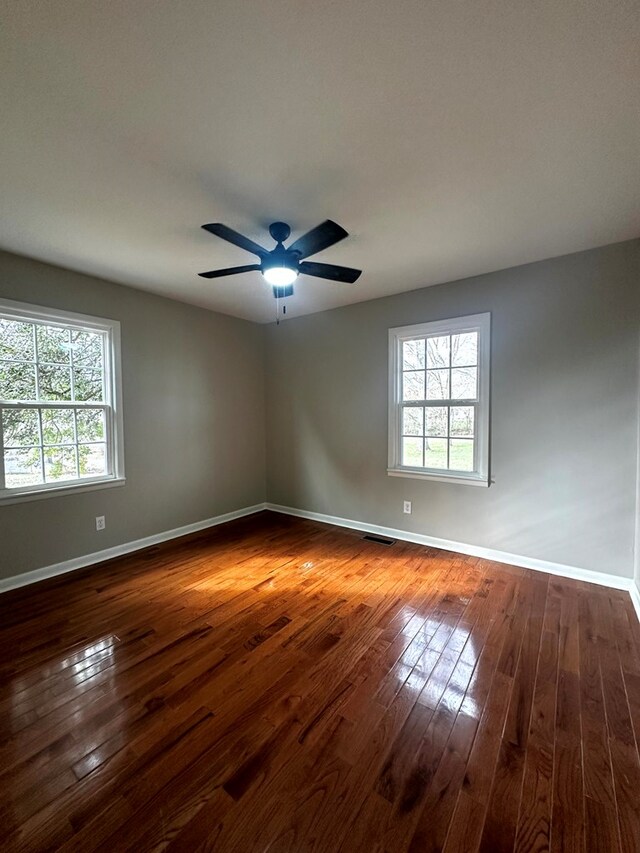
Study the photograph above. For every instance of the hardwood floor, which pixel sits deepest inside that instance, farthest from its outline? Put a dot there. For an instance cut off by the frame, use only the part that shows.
(283, 685)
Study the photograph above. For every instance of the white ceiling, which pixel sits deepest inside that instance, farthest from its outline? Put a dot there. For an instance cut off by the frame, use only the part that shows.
(449, 138)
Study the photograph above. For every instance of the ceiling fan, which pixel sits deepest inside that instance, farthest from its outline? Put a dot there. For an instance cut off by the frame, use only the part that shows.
(279, 266)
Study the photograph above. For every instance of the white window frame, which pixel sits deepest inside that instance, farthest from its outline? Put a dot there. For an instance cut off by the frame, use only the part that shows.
(112, 404)
(474, 322)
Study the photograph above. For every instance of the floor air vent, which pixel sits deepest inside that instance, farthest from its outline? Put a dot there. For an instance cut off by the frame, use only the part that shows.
(381, 540)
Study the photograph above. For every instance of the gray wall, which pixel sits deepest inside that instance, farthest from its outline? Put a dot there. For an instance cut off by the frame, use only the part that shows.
(636, 573)
(193, 384)
(564, 412)
(565, 379)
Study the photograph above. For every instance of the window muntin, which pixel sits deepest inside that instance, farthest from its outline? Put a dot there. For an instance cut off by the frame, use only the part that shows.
(439, 388)
(60, 424)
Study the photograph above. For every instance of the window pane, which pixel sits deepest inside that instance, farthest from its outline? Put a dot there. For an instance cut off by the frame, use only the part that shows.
(57, 426)
(412, 452)
(412, 421)
(435, 452)
(442, 398)
(17, 381)
(88, 384)
(461, 454)
(90, 424)
(464, 383)
(438, 351)
(16, 340)
(413, 355)
(437, 385)
(437, 421)
(22, 467)
(92, 459)
(462, 421)
(55, 382)
(87, 349)
(413, 385)
(464, 349)
(53, 344)
(20, 427)
(60, 463)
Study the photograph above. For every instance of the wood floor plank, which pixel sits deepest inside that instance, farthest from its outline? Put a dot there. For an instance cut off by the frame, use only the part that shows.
(283, 684)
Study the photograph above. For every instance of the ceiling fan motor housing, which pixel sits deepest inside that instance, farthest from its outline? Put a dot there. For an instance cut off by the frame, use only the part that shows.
(279, 231)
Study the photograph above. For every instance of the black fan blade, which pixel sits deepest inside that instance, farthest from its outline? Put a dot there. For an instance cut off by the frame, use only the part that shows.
(319, 238)
(229, 271)
(331, 271)
(234, 237)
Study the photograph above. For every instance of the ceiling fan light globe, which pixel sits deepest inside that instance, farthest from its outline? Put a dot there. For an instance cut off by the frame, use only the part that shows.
(280, 276)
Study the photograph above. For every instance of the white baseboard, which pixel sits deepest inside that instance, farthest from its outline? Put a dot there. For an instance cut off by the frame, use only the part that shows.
(601, 578)
(119, 550)
(635, 597)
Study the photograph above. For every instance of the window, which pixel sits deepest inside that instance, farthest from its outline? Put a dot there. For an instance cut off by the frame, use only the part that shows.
(60, 409)
(439, 400)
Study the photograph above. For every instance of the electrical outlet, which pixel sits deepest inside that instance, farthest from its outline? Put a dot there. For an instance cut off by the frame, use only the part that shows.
(100, 522)
(407, 507)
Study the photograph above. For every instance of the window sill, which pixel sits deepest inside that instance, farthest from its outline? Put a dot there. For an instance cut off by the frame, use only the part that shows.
(457, 478)
(72, 489)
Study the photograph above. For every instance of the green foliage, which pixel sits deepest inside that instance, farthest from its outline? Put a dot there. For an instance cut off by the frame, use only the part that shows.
(43, 363)
(20, 427)
(88, 384)
(87, 349)
(23, 466)
(16, 340)
(91, 459)
(53, 344)
(17, 381)
(69, 363)
(54, 381)
(90, 425)
(60, 463)
(58, 426)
